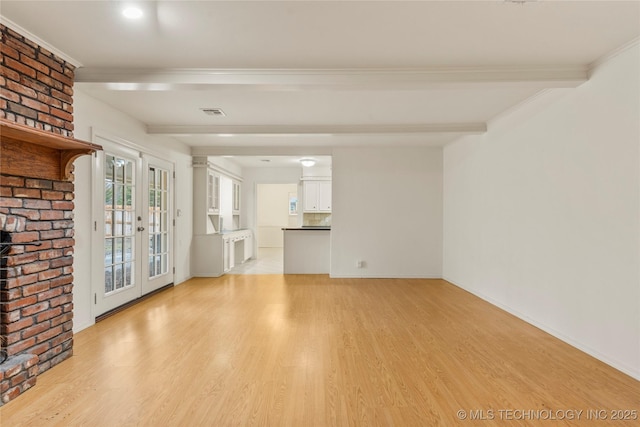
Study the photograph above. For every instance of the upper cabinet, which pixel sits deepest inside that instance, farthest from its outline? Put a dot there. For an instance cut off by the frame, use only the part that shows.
(317, 196)
(311, 190)
(236, 197)
(216, 198)
(324, 196)
(213, 192)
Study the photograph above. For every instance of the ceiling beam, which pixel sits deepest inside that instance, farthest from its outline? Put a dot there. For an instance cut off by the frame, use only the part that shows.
(261, 151)
(329, 79)
(458, 128)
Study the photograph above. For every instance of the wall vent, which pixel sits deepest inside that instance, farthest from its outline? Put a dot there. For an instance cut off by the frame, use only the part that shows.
(213, 111)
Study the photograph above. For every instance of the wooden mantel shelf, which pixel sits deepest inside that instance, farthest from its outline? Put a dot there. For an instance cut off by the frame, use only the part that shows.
(34, 153)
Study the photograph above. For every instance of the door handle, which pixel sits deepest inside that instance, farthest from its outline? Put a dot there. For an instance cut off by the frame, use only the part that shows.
(140, 228)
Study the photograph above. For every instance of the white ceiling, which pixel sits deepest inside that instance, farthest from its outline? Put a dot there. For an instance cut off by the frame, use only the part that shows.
(301, 77)
(323, 162)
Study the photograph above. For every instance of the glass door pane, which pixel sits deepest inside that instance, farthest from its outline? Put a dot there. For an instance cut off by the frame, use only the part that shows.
(158, 221)
(119, 232)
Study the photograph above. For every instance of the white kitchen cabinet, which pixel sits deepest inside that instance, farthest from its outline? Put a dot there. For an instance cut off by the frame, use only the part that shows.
(227, 253)
(213, 192)
(248, 247)
(243, 246)
(208, 255)
(206, 199)
(236, 198)
(217, 246)
(217, 253)
(311, 190)
(324, 197)
(317, 196)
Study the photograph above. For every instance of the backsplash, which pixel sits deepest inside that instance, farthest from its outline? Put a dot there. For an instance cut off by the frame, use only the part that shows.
(315, 219)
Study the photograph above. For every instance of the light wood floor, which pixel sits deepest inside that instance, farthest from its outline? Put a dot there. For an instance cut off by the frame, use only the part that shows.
(267, 261)
(279, 350)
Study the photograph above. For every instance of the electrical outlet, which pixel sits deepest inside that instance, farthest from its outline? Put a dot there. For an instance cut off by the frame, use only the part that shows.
(359, 263)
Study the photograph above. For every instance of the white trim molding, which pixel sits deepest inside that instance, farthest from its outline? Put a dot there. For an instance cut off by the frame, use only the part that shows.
(631, 44)
(28, 34)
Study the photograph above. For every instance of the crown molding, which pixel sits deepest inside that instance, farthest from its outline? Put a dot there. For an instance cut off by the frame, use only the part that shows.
(28, 34)
(631, 44)
(461, 128)
(525, 109)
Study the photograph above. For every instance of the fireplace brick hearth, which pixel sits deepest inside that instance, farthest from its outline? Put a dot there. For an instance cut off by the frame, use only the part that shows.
(38, 284)
(36, 308)
(37, 150)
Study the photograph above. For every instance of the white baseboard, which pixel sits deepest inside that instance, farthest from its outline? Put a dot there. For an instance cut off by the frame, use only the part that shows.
(395, 276)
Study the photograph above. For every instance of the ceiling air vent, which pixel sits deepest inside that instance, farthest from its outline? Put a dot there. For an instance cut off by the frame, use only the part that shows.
(213, 112)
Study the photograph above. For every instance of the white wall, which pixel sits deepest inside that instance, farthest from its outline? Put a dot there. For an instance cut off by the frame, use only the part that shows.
(387, 212)
(90, 113)
(273, 213)
(541, 216)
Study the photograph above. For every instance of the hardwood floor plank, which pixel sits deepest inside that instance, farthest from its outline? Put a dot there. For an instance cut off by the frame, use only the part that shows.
(274, 350)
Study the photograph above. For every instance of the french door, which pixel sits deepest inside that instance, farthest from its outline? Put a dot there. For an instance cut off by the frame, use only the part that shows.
(133, 228)
(157, 234)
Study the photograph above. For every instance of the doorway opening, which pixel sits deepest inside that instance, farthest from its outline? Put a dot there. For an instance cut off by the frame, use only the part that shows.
(276, 208)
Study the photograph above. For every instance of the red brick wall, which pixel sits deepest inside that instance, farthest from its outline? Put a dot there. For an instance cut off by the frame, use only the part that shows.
(36, 86)
(36, 281)
(36, 308)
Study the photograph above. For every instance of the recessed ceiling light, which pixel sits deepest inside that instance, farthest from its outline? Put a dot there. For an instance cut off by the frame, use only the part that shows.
(265, 160)
(307, 162)
(132, 12)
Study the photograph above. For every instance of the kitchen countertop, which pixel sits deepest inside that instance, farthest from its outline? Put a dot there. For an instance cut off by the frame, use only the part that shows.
(308, 228)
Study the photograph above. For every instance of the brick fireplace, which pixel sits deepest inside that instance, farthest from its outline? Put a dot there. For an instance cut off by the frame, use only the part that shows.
(36, 211)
